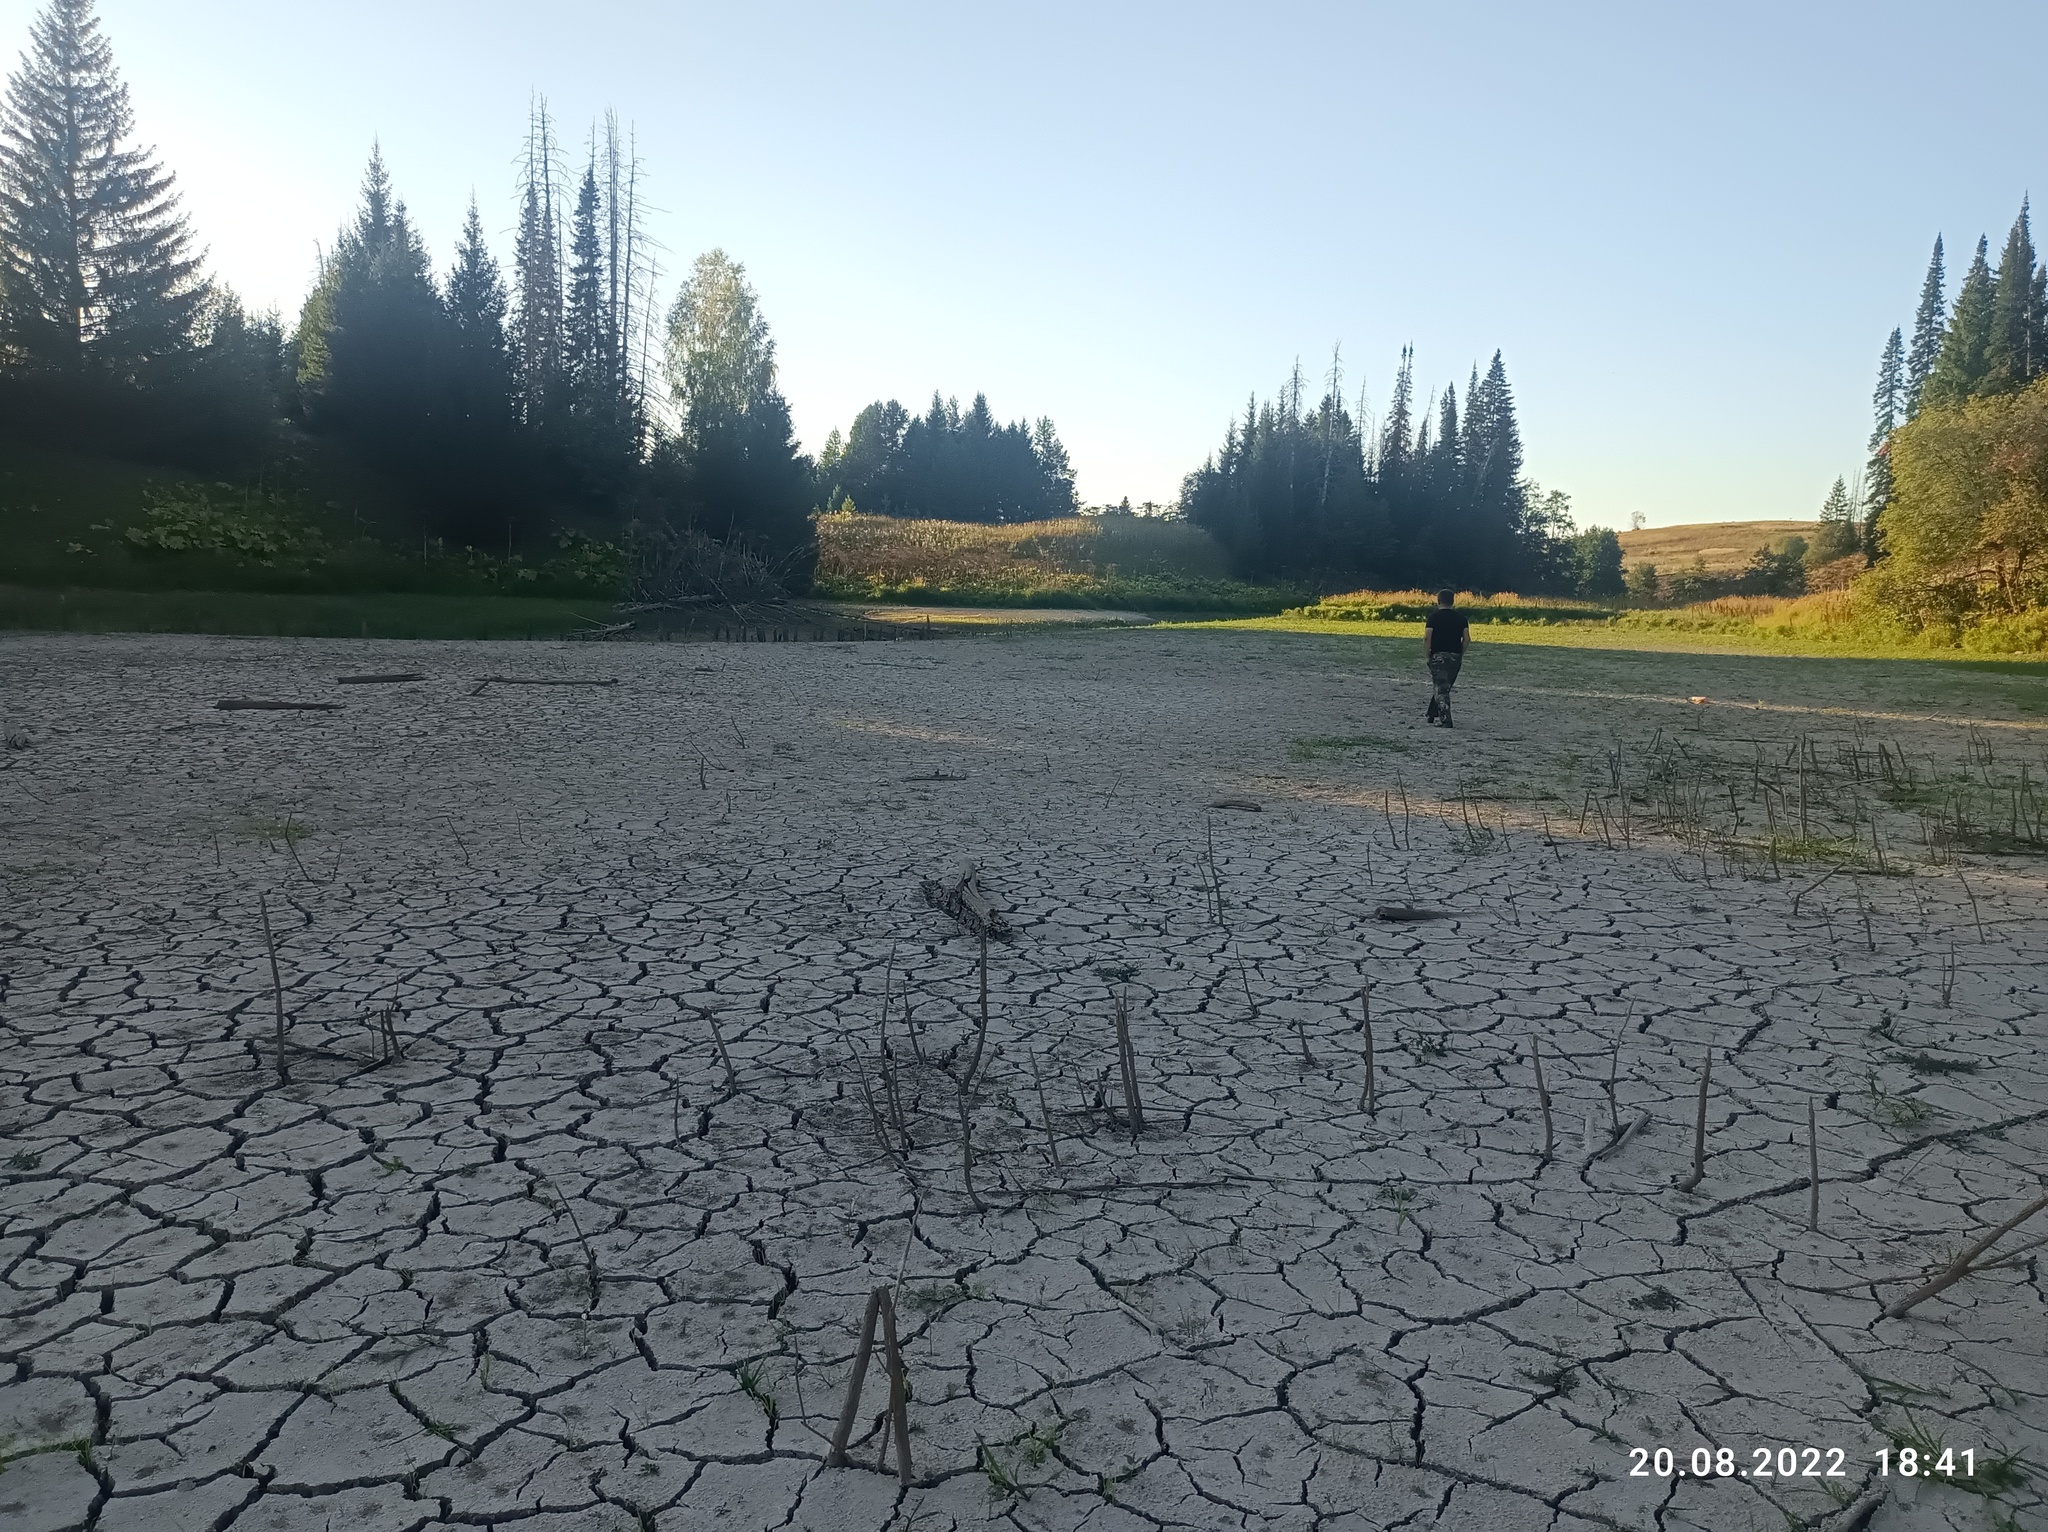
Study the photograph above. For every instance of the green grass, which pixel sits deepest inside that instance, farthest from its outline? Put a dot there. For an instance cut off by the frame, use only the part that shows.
(258, 613)
(1603, 635)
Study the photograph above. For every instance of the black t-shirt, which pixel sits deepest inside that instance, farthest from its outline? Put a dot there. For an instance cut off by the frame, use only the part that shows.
(1447, 627)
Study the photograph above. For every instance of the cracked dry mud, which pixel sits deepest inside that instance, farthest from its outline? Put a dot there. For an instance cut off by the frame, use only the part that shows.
(550, 1270)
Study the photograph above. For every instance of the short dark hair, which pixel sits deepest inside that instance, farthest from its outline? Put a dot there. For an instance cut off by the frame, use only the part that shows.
(1446, 596)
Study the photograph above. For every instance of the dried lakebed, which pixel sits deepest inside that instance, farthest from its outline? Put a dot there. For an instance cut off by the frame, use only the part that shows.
(572, 1261)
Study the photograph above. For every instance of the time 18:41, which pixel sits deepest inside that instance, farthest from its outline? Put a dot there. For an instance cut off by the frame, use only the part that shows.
(1913, 1464)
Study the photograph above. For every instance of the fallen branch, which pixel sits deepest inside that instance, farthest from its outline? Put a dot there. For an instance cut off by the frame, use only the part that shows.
(1244, 804)
(1542, 1094)
(380, 680)
(1816, 883)
(1616, 1143)
(1962, 1266)
(483, 681)
(964, 900)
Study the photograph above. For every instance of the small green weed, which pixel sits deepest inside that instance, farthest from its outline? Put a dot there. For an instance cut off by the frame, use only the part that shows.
(754, 1386)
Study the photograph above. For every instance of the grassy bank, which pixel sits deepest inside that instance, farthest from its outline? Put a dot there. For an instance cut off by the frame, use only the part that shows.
(371, 615)
(1077, 561)
(1829, 624)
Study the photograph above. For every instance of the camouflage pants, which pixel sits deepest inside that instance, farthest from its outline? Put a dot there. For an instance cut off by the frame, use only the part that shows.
(1443, 674)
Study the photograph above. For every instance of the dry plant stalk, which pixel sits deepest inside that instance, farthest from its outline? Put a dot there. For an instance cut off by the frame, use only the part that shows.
(850, 1410)
(967, 1146)
(1542, 1095)
(276, 987)
(899, 1394)
(1052, 1139)
(1699, 1128)
(732, 1075)
(1962, 1266)
(1127, 1059)
(1370, 1100)
(1613, 1071)
(894, 1421)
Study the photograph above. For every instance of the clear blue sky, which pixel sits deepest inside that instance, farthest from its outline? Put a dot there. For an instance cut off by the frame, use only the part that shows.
(1689, 228)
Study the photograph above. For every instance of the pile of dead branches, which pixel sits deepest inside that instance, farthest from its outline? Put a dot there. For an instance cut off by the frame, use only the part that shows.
(680, 566)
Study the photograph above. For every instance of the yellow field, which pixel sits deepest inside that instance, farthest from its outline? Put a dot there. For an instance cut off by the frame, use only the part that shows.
(1725, 546)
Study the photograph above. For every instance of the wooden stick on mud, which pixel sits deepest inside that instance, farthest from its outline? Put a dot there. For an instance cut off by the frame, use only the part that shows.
(1961, 1266)
(1127, 1058)
(1542, 1094)
(1614, 1069)
(276, 987)
(967, 1147)
(899, 1391)
(1699, 1128)
(1370, 1101)
(732, 1075)
(1052, 1139)
(850, 1410)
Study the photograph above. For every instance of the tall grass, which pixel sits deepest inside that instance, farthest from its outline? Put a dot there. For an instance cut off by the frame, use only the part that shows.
(1073, 561)
(1413, 605)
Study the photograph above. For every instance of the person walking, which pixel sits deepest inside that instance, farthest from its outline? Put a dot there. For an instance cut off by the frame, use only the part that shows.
(1445, 632)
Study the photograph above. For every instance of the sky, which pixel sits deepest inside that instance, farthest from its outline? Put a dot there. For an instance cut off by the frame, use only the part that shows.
(1688, 229)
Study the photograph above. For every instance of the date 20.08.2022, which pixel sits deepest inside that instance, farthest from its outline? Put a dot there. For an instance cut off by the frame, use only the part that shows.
(1794, 1463)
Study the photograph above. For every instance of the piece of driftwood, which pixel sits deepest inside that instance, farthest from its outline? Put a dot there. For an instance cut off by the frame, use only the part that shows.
(380, 679)
(1964, 1264)
(963, 899)
(1409, 913)
(603, 630)
(1615, 1144)
(236, 704)
(483, 681)
(1246, 804)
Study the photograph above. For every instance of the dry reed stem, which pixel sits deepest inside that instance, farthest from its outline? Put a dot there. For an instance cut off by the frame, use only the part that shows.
(1699, 1127)
(850, 1410)
(1127, 1058)
(1542, 1095)
(276, 987)
(1052, 1141)
(1369, 1102)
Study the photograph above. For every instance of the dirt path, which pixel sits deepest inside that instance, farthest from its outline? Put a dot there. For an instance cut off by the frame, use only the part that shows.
(556, 1268)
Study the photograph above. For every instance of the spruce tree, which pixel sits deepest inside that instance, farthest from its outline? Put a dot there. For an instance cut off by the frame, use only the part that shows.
(587, 337)
(1397, 435)
(537, 279)
(1927, 330)
(2013, 355)
(476, 291)
(475, 302)
(96, 264)
(1959, 371)
(1837, 535)
(1887, 404)
(372, 358)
